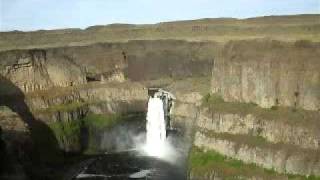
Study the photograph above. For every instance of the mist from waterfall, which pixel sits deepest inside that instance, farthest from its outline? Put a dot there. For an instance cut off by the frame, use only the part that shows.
(158, 143)
(156, 127)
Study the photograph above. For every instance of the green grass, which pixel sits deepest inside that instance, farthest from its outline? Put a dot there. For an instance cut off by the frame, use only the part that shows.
(214, 30)
(249, 140)
(101, 121)
(4, 108)
(202, 163)
(211, 99)
(67, 107)
(68, 134)
(96, 124)
(216, 104)
(199, 84)
(63, 107)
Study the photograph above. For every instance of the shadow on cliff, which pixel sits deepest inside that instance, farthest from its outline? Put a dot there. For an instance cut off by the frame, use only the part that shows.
(44, 146)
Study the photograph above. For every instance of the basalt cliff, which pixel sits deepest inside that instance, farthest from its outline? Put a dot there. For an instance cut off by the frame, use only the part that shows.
(250, 102)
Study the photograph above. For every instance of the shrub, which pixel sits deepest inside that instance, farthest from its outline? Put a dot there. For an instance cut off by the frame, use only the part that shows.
(68, 135)
(211, 98)
(274, 108)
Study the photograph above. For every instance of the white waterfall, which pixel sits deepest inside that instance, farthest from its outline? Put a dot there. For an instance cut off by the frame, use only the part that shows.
(156, 127)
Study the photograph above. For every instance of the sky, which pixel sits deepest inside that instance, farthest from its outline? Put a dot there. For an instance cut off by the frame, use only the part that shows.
(26, 15)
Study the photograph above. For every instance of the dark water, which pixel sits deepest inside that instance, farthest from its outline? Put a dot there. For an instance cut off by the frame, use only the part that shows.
(132, 165)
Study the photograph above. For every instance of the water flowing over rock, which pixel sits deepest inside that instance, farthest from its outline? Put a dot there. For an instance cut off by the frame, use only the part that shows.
(156, 127)
(268, 88)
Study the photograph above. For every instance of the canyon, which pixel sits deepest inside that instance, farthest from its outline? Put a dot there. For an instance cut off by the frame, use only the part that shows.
(247, 99)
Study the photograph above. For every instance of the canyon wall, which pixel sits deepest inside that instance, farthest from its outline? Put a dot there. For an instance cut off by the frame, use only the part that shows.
(32, 70)
(269, 90)
(281, 143)
(263, 110)
(281, 140)
(40, 69)
(269, 73)
(73, 104)
(63, 111)
(267, 113)
(63, 85)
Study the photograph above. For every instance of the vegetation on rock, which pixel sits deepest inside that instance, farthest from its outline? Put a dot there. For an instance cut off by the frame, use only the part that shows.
(290, 115)
(68, 134)
(204, 163)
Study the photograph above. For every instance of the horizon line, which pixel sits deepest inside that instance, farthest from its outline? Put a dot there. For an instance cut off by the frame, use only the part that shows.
(155, 23)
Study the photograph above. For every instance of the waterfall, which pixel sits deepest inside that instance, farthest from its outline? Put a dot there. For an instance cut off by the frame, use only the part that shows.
(156, 127)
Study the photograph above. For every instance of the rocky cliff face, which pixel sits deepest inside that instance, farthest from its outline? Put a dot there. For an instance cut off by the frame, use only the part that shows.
(63, 110)
(33, 70)
(285, 146)
(10, 121)
(269, 73)
(15, 141)
(149, 60)
(254, 79)
(43, 69)
(274, 140)
(62, 82)
(266, 105)
(282, 159)
(302, 133)
(70, 104)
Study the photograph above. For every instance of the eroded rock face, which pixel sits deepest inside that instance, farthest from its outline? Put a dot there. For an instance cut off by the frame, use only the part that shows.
(15, 141)
(185, 111)
(303, 134)
(266, 73)
(281, 158)
(32, 70)
(10, 121)
(27, 70)
(285, 144)
(113, 76)
(74, 104)
(65, 108)
(269, 73)
(41, 69)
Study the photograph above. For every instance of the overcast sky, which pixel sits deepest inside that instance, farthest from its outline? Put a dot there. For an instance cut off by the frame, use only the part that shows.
(52, 14)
